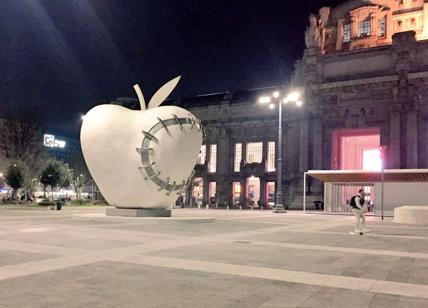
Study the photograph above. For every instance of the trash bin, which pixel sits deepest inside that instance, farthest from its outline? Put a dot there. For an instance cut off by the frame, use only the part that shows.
(58, 205)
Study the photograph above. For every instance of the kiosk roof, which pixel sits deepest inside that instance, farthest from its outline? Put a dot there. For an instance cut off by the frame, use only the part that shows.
(360, 176)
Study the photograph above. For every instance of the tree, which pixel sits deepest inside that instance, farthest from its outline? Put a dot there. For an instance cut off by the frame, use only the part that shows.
(50, 176)
(56, 173)
(15, 176)
(2, 181)
(81, 175)
(66, 175)
(20, 141)
(77, 184)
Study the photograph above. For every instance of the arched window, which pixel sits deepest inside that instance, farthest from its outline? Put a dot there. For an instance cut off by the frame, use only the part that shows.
(382, 27)
(346, 33)
(365, 27)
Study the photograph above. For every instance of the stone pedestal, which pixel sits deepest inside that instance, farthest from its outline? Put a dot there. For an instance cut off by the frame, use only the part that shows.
(138, 212)
(411, 215)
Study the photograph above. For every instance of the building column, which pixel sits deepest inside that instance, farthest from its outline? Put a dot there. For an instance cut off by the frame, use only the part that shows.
(230, 194)
(244, 152)
(243, 200)
(304, 146)
(223, 166)
(339, 41)
(263, 192)
(314, 186)
(205, 197)
(188, 196)
(290, 150)
(208, 155)
(265, 154)
(317, 145)
(422, 144)
(393, 160)
(412, 139)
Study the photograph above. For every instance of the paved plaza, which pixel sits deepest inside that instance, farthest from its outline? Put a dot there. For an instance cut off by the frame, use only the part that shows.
(208, 258)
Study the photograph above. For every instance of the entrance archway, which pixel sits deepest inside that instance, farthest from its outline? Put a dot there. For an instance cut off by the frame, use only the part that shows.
(270, 194)
(253, 191)
(197, 192)
(356, 149)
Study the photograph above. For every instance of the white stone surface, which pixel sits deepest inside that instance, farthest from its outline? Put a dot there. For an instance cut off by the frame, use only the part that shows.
(412, 215)
(110, 137)
(138, 212)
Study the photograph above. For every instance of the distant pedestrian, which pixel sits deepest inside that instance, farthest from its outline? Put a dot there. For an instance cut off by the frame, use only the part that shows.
(357, 204)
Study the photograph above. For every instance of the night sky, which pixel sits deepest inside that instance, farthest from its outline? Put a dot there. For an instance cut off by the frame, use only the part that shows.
(58, 58)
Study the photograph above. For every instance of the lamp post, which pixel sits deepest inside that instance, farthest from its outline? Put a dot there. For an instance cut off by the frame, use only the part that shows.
(382, 177)
(277, 99)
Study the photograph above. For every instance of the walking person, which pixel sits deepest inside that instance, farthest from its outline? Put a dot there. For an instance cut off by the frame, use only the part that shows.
(357, 204)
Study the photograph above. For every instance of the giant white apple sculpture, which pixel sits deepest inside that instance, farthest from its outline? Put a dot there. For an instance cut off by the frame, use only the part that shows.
(141, 159)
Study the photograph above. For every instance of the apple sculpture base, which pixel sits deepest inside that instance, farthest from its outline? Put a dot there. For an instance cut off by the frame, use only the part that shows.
(138, 212)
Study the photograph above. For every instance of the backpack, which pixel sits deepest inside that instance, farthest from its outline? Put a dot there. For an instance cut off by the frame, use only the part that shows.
(353, 203)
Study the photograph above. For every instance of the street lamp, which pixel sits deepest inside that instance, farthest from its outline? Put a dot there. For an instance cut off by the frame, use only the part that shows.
(278, 98)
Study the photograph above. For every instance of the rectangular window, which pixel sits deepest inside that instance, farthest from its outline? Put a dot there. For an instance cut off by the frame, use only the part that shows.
(347, 33)
(213, 159)
(254, 152)
(202, 155)
(271, 157)
(382, 27)
(238, 157)
(365, 28)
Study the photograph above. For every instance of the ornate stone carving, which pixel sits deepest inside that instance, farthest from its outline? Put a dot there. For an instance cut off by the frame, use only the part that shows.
(315, 34)
(312, 33)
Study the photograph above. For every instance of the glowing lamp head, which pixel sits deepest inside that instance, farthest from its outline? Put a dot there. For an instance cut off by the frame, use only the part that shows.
(276, 94)
(264, 100)
(271, 106)
(293, 97)
(299, 103)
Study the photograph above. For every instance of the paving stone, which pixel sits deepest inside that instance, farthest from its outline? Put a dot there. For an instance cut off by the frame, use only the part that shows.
(241, 261)
(10, 257)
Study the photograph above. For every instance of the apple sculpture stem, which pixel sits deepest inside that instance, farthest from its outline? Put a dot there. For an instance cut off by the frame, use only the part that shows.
(166, 139)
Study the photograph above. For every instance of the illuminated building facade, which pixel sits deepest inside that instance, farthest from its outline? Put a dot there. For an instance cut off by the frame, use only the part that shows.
(364, 75)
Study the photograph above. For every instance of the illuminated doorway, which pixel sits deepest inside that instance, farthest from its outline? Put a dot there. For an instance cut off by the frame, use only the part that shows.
(236, 191)
(270, 194)
(197, 192)
(253, 191)
(356, 149)
(212, 192)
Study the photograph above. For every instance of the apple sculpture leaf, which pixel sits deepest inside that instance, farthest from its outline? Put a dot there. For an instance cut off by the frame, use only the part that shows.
(163, 93)
(141, 159)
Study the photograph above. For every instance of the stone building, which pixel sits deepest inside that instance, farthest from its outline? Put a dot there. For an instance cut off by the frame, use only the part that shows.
(364, 75)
